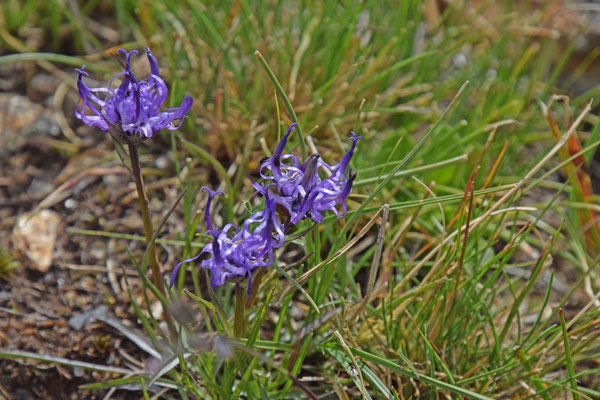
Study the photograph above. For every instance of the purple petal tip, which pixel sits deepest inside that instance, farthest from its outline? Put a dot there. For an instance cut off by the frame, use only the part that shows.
(82, 71)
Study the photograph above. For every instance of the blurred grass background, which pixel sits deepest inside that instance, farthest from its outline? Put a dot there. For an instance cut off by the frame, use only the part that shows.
(477, 313)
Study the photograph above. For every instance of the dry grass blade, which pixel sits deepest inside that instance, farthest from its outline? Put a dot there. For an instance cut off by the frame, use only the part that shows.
(374, 265)
(358, 369)
(64, 361)
(377, 256)
(509, 194)
(551, 345)
(136, 337)
(438, 248)
(56, 195)
(336, 255)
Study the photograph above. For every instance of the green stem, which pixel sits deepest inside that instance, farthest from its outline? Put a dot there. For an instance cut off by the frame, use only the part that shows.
(148, 230)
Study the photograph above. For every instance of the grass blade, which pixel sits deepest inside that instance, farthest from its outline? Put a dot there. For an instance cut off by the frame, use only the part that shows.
(64, 361)
(569, 360)
(286, 101)
(397, 168)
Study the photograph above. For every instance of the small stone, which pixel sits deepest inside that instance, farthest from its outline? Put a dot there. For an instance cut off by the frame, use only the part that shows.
(35, 236)
(459, 60)
(39, 188)
(43, 85)
(98, 250)
(70, 203)
(491, 74)
(20, 119)
(162, 162)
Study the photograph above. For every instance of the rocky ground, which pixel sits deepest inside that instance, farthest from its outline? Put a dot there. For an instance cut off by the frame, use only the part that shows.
(56, 175)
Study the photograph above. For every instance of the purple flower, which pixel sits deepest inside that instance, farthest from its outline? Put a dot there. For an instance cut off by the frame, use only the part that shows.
(255, 243)
(301, 191)
(333, 191)
(237, 255)
(220, 250)
(325, 196)
(133, 108)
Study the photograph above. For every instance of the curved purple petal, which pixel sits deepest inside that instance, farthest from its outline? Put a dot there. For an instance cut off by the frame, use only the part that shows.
(283, 141)
(134, 106)
(310, 170)
(341, 167)
(85, 96)
(127, 57)
(180, 113)
(211, 195)
(174, 273)
(152, 61)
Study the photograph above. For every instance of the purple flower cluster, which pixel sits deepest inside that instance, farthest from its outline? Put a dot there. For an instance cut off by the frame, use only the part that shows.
(133, 108)
(238, 254)
(301, 192)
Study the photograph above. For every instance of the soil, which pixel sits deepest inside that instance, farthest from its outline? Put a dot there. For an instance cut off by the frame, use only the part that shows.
(57, 175)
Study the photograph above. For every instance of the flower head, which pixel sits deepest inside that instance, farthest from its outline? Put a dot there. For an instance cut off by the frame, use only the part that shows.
(238, 254)
(301, 191)
(334, 190)
(133, 108)
(220, 250)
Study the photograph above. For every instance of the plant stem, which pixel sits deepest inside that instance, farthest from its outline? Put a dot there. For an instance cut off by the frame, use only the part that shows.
(148, 230)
